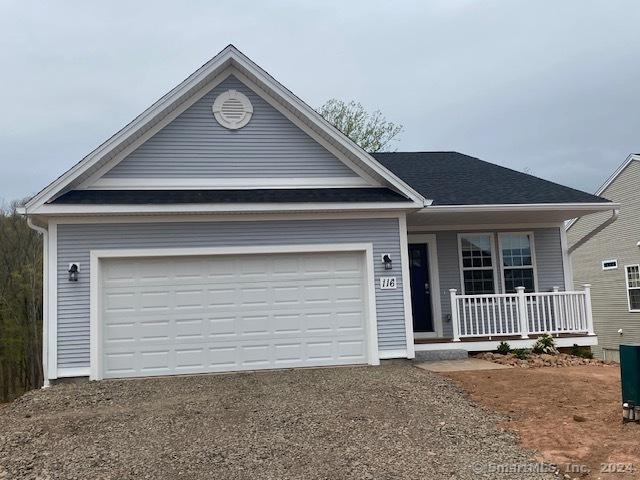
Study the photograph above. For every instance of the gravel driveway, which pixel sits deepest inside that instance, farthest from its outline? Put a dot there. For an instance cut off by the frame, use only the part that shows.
(388, 422)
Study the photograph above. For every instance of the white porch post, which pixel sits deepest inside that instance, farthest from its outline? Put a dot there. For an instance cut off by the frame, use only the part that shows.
(454, 315)
(522, 313)
(587, 308)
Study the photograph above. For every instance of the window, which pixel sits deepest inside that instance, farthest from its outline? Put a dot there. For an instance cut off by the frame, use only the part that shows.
(476, 259)
(633, 287)
(517, 258)
(609, 264)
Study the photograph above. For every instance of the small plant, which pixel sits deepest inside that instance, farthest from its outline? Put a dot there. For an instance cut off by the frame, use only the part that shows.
(521, 353)
(545, 344)
(583, 352)
(504, 348)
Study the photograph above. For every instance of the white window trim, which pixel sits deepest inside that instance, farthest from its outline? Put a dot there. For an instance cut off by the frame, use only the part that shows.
(626, 281)
(610, 261)
(95, 340)
(494, 264)
(534, 264)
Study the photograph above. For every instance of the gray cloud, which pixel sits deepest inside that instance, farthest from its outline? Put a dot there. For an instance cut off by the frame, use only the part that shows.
(546, 85)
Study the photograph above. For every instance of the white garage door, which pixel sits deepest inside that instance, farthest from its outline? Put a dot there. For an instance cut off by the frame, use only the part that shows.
(177, 315)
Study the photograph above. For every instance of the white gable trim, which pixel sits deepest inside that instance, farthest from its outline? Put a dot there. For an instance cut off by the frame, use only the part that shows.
(609, 181)
(200, 81)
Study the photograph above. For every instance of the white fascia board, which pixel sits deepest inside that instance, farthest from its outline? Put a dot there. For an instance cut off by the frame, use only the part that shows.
(227, 57)
(525, 207)
(54, 209)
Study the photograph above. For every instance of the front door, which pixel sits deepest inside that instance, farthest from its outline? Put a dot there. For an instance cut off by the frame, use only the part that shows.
(420, 287)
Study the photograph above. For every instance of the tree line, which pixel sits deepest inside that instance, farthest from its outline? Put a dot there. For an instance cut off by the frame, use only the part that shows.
(20, 305)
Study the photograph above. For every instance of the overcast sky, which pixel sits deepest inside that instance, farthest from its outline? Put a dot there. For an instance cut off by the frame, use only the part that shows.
(548, 86)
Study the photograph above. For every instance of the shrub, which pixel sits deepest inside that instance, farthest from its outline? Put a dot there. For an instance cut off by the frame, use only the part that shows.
(521, 353)
(584, 352)
(504, 348)
(545, 344)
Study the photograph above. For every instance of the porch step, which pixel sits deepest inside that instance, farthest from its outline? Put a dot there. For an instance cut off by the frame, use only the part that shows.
(437, 355)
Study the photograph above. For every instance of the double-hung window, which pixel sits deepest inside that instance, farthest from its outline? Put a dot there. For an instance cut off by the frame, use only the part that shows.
(633, 287)
(477, 262)
(518, 262)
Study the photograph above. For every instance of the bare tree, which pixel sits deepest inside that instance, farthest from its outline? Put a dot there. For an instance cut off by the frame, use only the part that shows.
(372, 131)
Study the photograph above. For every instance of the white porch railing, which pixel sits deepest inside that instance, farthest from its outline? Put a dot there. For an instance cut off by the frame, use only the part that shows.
(521, 313)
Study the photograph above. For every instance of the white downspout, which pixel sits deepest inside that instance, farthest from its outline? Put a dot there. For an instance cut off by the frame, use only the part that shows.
(599, 228)
(45, 297)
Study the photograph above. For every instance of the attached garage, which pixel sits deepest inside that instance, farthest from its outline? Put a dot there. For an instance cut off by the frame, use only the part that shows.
(198, 311)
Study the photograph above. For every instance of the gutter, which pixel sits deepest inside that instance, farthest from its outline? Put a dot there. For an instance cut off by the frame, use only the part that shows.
(45, 294)
(598, 229)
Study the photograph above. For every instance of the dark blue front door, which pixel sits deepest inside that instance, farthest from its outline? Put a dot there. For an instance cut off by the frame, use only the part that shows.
(420, 288)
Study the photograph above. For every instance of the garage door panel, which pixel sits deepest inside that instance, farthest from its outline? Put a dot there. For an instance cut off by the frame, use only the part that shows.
(202, 314)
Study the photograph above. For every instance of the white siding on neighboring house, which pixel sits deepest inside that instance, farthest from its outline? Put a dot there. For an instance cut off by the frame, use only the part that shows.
(75, 241)
(195, 145)
(618, 241)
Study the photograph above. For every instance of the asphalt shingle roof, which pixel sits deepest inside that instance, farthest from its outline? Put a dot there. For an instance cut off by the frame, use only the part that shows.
(312, 195)
(452, 178)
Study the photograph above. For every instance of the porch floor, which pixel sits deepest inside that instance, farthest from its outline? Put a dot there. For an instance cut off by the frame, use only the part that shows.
(486, 344)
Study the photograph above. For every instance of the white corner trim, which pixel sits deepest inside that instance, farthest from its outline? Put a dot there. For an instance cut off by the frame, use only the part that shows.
(567, 265)
(406, 286)
(434, 278)
(95, 372)
(52, 320)
(225, 183)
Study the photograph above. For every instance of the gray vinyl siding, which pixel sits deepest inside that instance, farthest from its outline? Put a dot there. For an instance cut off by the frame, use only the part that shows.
(75, 242)
(194, 145)
(548, 250)
(617, 241)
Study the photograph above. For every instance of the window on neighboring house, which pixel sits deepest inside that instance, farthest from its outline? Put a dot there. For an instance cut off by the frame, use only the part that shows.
(477, 263)
(633, 287)
(518, 262)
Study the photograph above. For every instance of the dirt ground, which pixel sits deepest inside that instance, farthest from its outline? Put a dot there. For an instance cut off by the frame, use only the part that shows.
(541, 404)
(378, 423)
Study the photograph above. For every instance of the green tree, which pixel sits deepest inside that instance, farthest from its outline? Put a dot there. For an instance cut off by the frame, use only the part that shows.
(20, 305)
(372, 131)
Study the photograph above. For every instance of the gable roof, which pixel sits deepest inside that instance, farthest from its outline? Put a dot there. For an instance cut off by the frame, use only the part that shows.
(452, 178)
(618, 171)
(277, 195)
(197, 84)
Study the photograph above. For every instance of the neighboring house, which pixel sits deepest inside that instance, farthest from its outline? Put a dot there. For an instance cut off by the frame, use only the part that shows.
(229, 227)
(607, 255)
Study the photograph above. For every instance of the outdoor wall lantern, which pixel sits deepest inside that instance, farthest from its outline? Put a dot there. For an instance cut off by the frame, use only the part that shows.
(386, 259)
(74, 268)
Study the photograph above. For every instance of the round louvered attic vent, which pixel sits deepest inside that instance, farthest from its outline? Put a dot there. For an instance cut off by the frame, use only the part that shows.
(232, 109)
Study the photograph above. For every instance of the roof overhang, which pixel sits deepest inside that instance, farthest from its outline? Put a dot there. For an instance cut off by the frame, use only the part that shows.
(506, 215)
(197, 84)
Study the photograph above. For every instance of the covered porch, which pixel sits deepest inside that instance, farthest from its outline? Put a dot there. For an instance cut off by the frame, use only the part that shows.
(481, 275)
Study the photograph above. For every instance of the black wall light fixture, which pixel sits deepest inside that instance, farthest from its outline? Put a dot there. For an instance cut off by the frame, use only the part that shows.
(386, 259)
(74, 268)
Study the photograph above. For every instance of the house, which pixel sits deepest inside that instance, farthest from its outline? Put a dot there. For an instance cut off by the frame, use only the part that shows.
(229, 227)
(606, 253)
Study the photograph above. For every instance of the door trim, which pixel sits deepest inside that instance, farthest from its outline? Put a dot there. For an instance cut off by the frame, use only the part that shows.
(95, 337)
(434, 279)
